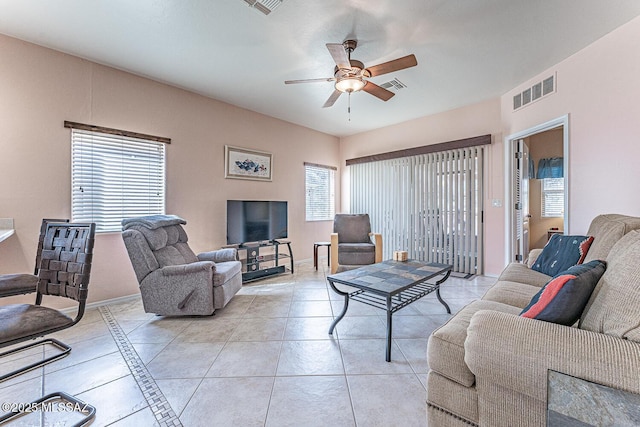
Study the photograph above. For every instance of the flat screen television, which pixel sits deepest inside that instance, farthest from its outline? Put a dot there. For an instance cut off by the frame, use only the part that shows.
(255, 221)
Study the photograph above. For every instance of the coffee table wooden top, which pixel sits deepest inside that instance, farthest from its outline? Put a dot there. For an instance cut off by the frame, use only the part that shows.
(390, 277)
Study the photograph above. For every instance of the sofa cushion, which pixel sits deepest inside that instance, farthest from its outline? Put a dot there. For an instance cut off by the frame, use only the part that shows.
(520, 273)
(607, 230)
(511, 293)
(562, 252)
(613, 308)
(356, 253)
(445, 351)
(563, 299)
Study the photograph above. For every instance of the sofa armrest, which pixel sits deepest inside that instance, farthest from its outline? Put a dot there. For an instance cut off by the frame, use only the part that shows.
(221, 255)
(516, 352)
(533, 256)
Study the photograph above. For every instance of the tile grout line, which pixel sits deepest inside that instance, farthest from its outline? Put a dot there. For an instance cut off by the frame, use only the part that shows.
(158, 403)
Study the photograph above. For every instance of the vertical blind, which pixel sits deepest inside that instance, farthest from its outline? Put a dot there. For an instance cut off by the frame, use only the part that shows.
(429, 205)
(115, 177)
(319, 182)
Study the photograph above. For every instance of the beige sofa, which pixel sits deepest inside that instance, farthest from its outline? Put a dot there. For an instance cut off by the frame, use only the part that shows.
(489, 365)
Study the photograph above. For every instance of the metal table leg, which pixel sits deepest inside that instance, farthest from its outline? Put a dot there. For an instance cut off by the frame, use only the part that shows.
(344, 309)
(446, 276)
(389, 329)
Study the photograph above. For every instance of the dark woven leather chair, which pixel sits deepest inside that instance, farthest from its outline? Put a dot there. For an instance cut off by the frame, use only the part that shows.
(24, 283)
(351, 242)
(64, 272)
(64, 269)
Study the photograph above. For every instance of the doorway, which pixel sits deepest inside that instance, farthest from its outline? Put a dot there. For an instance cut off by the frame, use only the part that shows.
(537, 206)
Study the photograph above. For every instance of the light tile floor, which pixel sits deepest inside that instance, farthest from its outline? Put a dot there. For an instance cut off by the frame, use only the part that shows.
(264, 360)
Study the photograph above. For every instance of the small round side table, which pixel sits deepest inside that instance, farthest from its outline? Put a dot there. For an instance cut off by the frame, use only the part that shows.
(316, 245)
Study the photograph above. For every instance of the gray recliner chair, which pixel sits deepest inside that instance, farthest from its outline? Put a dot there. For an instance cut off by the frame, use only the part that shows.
(351, 242)
(174, 280)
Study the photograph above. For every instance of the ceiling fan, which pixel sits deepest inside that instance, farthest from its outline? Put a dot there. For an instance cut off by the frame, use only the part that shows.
(350, 75)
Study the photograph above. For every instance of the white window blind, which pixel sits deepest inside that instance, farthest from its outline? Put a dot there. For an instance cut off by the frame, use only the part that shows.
(429, 205)
(552, 197)
(319, 184)
(115, 177)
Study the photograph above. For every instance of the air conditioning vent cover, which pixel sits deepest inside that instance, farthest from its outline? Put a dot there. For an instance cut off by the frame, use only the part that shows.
(534, 93)
(264, 6)
(394, 84)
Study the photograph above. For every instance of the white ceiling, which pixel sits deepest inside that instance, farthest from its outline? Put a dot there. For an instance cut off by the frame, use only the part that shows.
(467, 51)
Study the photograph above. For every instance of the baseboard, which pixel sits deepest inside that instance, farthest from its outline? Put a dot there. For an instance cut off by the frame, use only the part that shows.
(97, 304)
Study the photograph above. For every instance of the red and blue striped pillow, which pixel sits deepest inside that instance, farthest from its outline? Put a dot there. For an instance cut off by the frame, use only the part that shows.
(564, 297)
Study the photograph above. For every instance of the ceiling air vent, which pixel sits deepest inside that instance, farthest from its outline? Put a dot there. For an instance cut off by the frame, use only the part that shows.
(394, 84)
(264, 6)
(537, 91)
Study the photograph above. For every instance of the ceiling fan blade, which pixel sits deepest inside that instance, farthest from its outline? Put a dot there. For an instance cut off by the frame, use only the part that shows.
(326, 79)
(391, 66)
(332, 99)
(377, 91)
(339, 55)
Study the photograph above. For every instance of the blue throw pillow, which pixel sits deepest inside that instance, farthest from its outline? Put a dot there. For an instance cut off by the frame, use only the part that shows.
(564, 297)
(562, 252)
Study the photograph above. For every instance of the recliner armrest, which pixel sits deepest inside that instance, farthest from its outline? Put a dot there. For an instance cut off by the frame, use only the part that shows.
(182, 269)
(221, 255)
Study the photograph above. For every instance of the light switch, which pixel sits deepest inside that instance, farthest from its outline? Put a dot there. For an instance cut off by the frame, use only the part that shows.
(496, 203)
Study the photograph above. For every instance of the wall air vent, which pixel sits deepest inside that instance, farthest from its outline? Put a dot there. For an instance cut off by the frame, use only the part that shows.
(537, 91)
(264, 6)
(394, 84)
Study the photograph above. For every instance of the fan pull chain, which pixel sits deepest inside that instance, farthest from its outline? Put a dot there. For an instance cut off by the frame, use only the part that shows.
(349, 107)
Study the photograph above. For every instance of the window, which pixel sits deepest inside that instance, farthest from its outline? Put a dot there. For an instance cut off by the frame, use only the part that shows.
(115, 177)
(552, 197)
(319, 182)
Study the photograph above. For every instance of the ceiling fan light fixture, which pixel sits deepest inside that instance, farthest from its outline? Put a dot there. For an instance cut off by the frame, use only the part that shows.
(350, 84)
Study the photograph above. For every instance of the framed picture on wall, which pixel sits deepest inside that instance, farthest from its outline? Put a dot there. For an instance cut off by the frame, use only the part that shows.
(242, 163)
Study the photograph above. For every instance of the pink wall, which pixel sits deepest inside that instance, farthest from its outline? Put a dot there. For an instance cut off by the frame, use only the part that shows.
(598, 87)
(474, 120)
(41, 88)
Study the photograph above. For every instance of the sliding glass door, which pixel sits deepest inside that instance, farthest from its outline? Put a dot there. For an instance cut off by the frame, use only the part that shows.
(429, 205)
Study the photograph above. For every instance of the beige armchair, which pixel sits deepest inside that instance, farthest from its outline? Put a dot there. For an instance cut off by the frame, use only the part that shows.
(352, 242)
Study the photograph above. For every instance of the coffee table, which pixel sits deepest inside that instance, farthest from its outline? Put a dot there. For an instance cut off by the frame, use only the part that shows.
(390, 286)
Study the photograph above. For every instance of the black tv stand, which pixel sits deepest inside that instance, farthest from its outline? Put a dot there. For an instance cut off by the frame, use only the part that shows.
(263, 259)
